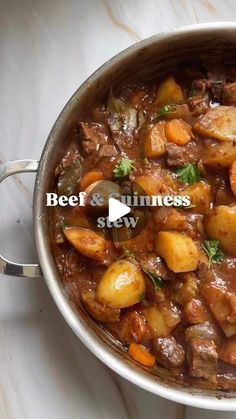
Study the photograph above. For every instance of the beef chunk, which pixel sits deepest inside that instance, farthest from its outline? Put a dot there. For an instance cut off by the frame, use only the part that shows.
(180, 155)
(167, 218)
(107, 151)
(202, 85)
(195, 312)
(93, 136)
(202, 358)
(168, 352)
(216, 90)
(228, 351)
(198, 105)
(229, 94)
(214, 84)
(131, 328)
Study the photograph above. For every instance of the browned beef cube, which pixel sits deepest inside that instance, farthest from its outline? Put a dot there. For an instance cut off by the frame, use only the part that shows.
(107, 151)
(229, 94)
(179, 155)
(93, 136)
(168, 352)
(202, 358)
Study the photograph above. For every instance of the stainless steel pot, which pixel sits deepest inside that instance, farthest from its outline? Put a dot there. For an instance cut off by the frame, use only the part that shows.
(145, 59)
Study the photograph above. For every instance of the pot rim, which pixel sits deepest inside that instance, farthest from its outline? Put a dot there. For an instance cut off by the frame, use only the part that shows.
(77, 323)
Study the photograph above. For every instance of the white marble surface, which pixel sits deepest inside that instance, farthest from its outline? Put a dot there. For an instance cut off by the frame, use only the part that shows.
(47, 48)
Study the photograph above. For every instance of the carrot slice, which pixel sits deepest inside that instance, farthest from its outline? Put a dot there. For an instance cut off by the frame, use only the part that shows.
(178, 132)
(232, 177)
(141, 354)
(89, 178)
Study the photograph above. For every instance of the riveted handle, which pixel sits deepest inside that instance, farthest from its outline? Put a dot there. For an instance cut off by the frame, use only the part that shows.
(8, 267)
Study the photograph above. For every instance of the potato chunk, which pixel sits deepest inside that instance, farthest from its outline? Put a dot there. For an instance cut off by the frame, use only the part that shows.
(156, 321)
(121, 286)
(200, 196)
(169, 92)
(220, 224)
(87, 242)
(155, 141)
(179, 251)
(150, 184)
(220, 155)
(218, 123)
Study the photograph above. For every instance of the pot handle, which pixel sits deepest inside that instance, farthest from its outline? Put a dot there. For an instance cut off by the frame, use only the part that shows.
(6, 266)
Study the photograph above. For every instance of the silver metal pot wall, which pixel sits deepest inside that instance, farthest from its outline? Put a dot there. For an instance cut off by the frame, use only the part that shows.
(145, 59)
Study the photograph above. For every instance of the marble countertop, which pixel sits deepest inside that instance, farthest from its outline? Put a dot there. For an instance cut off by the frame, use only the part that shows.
(47, 48)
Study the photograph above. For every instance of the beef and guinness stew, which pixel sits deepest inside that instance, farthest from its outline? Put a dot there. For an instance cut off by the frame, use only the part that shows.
(168, 292)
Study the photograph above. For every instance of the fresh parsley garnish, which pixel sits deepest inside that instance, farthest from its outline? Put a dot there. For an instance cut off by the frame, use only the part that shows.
(127, 253)
(156, 280)
(211, 248)
(142, 296)
(164, 110)
(193, 92)
(191, 206)
(188, 173)
(123, 168)
(63, 224)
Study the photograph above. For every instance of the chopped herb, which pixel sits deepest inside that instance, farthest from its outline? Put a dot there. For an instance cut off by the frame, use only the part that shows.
(156, 280)
(123, 168)
(142, 296)
(188, 173)
(211, 248)
(226, 95)
(190, 206)
(164, 110)
(127, 253)
(193, 92)
(63, 224)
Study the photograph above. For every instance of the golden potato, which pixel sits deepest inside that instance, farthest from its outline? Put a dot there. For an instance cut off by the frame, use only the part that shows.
(148, 183)
(200, 196)
(169, 92)
(155, 141)
(156, 321)
(220, 155)
(179, 251)
(220, 224)
(218, 123)
(98, 311)
(87, 242)
(121, 286)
